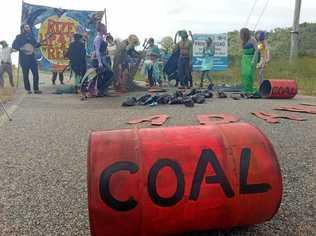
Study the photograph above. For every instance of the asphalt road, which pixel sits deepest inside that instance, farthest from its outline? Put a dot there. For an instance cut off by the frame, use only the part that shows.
(43, 160)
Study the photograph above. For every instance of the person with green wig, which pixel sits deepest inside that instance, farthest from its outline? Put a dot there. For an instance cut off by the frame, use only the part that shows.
(248, 61)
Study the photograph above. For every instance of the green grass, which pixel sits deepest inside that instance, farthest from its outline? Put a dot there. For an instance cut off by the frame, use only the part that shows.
(303, 70)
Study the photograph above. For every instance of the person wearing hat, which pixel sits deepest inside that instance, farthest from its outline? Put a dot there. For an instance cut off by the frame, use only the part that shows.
(6, 63)
(185, 47)
(77, 58)
(27, 57)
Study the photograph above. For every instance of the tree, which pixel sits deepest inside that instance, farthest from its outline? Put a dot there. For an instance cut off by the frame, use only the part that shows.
(167, 44)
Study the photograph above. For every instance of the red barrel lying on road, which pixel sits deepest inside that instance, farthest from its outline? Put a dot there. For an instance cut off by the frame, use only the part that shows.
(278, 89)
(168, 181)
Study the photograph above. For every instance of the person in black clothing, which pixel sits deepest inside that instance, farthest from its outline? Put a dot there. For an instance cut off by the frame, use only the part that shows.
(60, 75)
(77, 56)
(27, 59)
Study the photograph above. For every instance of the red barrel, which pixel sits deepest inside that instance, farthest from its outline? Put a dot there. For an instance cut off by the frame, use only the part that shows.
(278, 89)
(173, 180)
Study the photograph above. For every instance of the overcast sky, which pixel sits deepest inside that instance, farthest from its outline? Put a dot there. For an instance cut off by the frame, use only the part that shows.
(159, 18)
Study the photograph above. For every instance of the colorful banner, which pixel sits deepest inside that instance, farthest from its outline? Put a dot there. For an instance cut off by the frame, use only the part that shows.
(58, 26)
(217, 60)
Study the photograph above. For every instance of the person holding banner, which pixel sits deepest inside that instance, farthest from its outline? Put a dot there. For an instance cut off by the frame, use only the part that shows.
(25, 43)
(185, 47)
(207, 63)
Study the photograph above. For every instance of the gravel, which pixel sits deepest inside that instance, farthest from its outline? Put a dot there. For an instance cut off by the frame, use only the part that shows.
(43, 160)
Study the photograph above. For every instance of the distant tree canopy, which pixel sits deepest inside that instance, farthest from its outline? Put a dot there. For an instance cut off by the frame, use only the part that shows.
(167, 44)
(279, 41)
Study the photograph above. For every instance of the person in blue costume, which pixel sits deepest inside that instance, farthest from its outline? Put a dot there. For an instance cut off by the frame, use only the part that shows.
(207, 63)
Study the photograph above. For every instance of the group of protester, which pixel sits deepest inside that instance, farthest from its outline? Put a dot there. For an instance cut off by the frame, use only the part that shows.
(117, 62)
(181, 61)
(101, 60)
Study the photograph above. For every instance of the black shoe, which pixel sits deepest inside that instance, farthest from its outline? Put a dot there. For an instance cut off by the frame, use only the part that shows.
(38, 92)
(221, 94)
(188, 102)
(176, 100)
(53, 82)
(61, 82)
(191, 92)
(198, 98)
(143, 99)
(178, 94)
(164, 99)
(29, 92)
(129, 102)
(207, 94)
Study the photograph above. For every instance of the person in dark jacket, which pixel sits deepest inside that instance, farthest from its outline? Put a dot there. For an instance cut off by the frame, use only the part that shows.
(101, 61)
(25, 44)
(77, 56)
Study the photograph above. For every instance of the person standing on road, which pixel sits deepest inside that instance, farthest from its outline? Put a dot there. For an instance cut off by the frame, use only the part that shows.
(77, 56)
(185, 47)
(25, 43)
(207, 63)
(6, 63)
(248, 61)
(102, 64)
(264, 54)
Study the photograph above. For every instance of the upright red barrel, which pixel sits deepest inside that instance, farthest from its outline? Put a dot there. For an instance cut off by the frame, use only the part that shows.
(278, 89)
(168, 181)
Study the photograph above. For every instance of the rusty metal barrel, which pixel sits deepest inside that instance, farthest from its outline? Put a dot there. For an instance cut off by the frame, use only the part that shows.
(167, 181)
(282, 89)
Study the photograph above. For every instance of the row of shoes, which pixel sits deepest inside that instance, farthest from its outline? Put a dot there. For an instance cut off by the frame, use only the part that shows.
(238, 96)
(188, 98)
